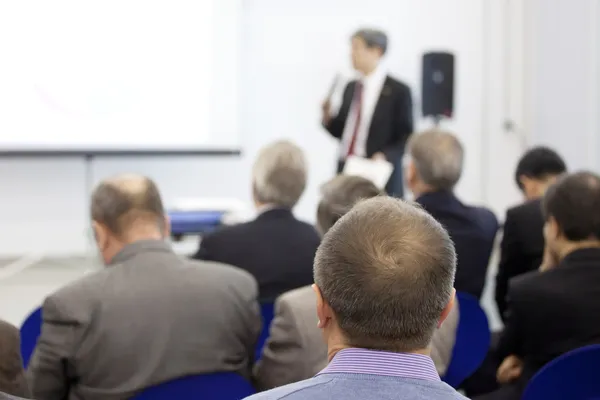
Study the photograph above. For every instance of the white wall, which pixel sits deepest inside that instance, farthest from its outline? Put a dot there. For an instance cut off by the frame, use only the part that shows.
(564, 88)
(288, 56)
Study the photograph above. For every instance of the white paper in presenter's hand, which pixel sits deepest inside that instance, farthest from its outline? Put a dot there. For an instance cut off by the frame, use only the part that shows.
(377, 171)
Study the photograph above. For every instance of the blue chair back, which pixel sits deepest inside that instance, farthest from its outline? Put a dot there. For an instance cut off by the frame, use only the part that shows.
(217, 386)
(574, 376)
(472, 340)
(267, 311)
(30, 332)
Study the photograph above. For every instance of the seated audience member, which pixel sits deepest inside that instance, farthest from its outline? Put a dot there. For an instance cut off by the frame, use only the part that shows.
(276, 248)
(295, 349)
(12, 374)
(522, 241)
(384, 275)
(436, 162)
(149, 317)
(555, 310)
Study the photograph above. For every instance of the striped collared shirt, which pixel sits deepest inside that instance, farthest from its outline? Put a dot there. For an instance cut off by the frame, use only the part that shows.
(371, 362)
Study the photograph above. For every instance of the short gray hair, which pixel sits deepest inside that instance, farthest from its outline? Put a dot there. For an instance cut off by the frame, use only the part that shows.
(373, 38)
(279, 174)
(386, 269)
(438, 158)
(339, 195)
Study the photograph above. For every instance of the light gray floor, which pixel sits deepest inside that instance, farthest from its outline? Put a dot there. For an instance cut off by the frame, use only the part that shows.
(24, 286)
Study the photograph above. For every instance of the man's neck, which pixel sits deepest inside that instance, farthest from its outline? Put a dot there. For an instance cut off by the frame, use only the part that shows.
(369, 71)
(130, 239)
(420, 189)
(262, 208)
(574, 246)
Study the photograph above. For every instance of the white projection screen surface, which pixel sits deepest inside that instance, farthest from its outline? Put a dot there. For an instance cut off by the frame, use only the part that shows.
(117, 75)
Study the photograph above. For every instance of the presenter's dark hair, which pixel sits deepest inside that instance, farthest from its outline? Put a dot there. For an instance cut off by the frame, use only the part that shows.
(386, 269)
(574, 202)
(539, 163)
(121, 202)
(373, 38)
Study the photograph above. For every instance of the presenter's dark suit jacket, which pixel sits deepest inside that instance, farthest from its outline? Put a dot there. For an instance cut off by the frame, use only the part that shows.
(551, 313)
(391, 125)
(522, 247)
(149, 317)
(276, 248)
(473, 230)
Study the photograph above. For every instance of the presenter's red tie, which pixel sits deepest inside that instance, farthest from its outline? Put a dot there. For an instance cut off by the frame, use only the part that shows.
(357, 105)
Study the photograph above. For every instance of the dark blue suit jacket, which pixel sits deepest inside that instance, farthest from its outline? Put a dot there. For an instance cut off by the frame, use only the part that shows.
(473, 230)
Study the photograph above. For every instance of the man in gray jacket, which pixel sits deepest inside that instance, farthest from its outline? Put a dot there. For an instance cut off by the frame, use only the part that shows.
(383, 282)
(147, 318)
(295, 349)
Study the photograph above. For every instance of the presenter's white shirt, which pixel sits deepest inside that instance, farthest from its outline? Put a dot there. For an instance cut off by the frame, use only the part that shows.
(372, 86)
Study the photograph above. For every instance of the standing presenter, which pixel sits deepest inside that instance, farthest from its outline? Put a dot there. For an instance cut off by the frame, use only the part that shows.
(375, 118)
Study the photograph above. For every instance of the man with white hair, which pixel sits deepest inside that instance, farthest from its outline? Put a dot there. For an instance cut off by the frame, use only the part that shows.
(436, 162)
(275, 247)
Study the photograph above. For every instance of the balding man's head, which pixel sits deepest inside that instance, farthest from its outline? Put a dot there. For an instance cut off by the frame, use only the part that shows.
(436, 160)
(127, 208)
(386, 271)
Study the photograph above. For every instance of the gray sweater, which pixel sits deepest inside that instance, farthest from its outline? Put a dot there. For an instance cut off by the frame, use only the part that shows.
(349, 386)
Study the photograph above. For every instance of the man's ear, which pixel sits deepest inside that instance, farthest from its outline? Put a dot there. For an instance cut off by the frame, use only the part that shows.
(447, 309)
(411, 172)
(100, 235)
(166, 227)
(553, 231)
(321, 308)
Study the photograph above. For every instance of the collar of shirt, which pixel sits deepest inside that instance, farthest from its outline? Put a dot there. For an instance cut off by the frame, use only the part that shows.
(383, 363)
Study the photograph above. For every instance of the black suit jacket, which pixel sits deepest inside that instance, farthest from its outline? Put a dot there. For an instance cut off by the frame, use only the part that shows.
(522, 247)
(553, 312)
(276, 248)
(473, 230)
(391, 123)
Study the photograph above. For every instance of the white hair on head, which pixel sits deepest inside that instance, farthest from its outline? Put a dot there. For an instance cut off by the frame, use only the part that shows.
(279, 174)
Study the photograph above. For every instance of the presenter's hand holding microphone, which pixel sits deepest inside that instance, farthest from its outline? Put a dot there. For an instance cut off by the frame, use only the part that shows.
(326, 109)
(326, 105)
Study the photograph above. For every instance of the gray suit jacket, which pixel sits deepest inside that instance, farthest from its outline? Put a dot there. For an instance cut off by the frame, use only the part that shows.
(12, 374)
(149, 317)
(295, 349)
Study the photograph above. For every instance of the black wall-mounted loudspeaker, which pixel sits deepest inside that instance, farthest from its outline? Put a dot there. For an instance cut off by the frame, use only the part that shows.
(437, 85)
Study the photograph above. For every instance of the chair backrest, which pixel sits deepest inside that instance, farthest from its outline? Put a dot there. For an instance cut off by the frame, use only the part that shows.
(472, 340)
(574, 376)
(267, 311)
(217, 386)
(30, 332)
